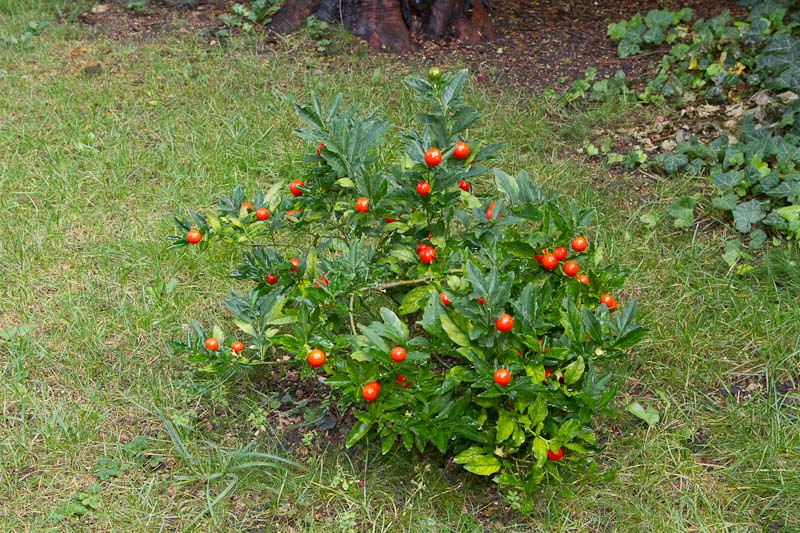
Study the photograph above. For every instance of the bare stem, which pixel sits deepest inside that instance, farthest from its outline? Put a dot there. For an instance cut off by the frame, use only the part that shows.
(352, 319)
(405, 282)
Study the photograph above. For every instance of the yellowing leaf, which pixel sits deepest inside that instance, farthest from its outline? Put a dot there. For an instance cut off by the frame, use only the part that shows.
(453, 331)
(245, 326)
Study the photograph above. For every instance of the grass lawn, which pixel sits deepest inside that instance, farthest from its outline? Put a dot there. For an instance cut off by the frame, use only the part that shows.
(103, 429)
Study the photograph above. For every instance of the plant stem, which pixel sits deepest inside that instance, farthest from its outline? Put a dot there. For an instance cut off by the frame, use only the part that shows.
(404, 282)
(352, 319)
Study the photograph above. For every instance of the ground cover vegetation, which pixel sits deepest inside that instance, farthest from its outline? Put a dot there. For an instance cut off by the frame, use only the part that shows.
(746, 73)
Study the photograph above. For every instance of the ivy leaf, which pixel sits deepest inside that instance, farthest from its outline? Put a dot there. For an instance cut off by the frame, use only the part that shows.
(617, 30)
(672, 162)
(682, 210)
(726, 202)
(627, 48)
(748, 213)
(791, 213)
(727, 181)
(757, 238)
(659, 18)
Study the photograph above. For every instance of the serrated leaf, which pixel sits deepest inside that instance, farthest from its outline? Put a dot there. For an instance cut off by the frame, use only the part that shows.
(616, 30)
(659, 18)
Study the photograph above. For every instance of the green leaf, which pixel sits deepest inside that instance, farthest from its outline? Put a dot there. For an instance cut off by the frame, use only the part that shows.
(453, 331)
(574, 371)
(453, 89)
(505, 425)
(411, 301)
(648, 414)
(659, 18)
(540, 448)
(627, 48)
(682, 210)
(727, 181)
(357, 433)
(507, 185)
(748, 213)
(757, 238)
(374, 336)
(537, 411)
(397, 326)
(649, 219)
(762, 167)
(387, 441)
(672, 162)
(733, 251)
(617, 30)
(9, 333)
(791, 213)
(246, 327)
(654, 35)
(476, 461)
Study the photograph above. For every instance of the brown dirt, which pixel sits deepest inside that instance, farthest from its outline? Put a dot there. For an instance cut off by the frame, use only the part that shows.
(546, 43)
(538, 43)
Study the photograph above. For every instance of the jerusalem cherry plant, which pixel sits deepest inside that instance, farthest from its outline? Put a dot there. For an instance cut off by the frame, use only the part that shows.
(446, 312)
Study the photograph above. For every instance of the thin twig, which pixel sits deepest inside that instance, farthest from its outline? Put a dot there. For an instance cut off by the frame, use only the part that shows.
(406, 282)
(352, 319)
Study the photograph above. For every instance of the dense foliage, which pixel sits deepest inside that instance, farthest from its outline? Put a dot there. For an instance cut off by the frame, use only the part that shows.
(476, 323)
(753, 64)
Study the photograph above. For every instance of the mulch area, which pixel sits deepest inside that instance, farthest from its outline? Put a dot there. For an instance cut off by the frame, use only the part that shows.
(548, 44)
(539, 44)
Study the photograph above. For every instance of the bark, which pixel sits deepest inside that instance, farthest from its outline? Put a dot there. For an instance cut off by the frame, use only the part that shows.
(391, 24)
(293, 14)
